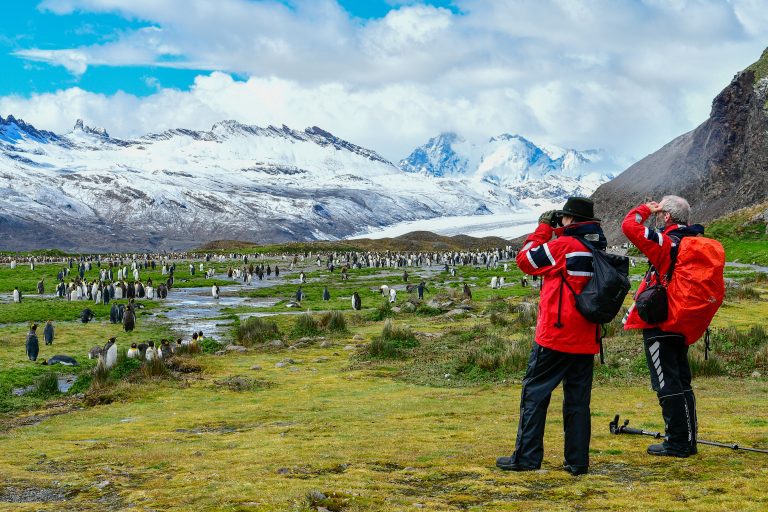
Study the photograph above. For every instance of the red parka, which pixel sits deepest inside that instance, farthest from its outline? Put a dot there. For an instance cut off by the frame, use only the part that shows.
(564, 257)
(657, 247)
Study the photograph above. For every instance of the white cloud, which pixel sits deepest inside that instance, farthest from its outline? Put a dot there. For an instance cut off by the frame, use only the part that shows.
(625, 75)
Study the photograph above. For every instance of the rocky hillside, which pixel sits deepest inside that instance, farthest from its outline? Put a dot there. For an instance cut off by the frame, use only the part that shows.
(719, 167)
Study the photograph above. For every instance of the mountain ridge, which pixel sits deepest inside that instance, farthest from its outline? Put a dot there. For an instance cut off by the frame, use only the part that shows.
(719, 166)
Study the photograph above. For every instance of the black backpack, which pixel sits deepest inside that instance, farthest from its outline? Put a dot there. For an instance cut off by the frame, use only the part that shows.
(602, 297)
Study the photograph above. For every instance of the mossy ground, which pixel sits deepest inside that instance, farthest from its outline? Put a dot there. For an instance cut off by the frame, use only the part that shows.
(370, 434)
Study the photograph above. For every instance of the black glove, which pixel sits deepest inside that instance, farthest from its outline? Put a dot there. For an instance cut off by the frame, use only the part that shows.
(549, 217)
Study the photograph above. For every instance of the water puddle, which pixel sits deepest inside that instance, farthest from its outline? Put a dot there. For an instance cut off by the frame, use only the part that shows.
(195, 309)
(64, 382)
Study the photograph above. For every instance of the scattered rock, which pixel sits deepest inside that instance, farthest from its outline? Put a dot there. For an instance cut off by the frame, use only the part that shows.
(326, 344)
(283, 471)
(235, 348)
(322, 359)
(298, 344)
(350, 347)
(219, 353)
(255, 367)
(317, 496)
(102, 484)
(408, 307)
(455, 312)
(280, 365)
(358, 337)
(276, 343)
(396, 309)
(756, 374)
(293, 369)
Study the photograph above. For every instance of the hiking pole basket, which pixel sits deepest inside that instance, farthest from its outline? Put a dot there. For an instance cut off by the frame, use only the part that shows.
(624, 428)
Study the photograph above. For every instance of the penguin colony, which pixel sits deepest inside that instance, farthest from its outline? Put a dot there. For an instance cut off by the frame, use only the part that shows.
(115, 272)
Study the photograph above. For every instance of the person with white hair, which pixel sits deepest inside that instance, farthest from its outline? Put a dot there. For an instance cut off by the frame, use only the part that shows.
(666, 346)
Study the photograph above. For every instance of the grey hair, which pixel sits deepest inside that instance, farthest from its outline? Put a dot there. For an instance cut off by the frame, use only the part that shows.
(677, 207)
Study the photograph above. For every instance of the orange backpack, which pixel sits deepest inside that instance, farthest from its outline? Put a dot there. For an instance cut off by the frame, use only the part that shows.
(696, 288)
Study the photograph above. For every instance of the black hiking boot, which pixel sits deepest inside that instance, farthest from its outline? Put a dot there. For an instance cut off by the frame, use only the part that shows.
(575, 470)
(665, 451)
(509, 464)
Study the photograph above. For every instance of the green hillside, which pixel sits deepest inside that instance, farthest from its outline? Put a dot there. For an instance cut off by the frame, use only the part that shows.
(743, 234)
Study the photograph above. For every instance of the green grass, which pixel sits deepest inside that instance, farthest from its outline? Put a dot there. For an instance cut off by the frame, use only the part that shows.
(338, 429)
(744, 238)
(761, 66)
(256, 331)
(392, 343)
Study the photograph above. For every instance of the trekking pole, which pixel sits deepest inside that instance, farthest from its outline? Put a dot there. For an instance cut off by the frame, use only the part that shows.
(624, 428)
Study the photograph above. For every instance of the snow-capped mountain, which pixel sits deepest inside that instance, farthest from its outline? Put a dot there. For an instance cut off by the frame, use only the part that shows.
(514, 163)
(85, 190)
(445, 155)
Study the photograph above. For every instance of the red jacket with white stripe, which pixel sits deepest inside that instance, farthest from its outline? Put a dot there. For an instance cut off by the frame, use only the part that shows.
(564, 257)
(657, 247)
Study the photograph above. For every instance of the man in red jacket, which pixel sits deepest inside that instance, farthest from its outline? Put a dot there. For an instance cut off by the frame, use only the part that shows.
(565, 343)
(666, 353)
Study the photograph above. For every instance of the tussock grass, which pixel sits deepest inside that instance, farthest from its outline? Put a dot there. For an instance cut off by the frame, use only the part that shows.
(209, 345)
(424, 310)
(494, 355)
(381, 312)
(527, 314)
(305, 325)
(498, 305)
(498, 320)
(737, 291)
(392, 343)
(255, 331)
(731, 338)
(615, 327)
(193, 349)
(154, 369)
(334, 321)
(46, 384)
(710, 367)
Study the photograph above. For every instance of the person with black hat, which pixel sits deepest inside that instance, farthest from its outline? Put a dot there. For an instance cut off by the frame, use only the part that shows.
(565, 342)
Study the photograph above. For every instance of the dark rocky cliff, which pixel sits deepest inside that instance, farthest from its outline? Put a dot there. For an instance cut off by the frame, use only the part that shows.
(719, 167)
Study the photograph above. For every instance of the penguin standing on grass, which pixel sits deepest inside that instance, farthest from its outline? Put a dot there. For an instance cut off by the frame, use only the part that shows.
(33, 344)
(326, 294)
(109, 354)
(129, 319)
(48, 333)
(356, 302)
(133, 352)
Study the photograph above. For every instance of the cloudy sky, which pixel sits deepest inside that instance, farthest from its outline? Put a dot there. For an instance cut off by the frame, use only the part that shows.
(624, 75)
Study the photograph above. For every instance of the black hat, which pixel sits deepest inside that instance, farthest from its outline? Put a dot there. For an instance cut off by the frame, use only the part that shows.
(580, 208)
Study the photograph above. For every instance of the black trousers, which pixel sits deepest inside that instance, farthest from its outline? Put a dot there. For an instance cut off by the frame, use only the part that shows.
(667, 357)
(547, 368)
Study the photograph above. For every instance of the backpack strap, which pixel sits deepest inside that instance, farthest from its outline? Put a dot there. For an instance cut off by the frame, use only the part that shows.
(673, 258)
